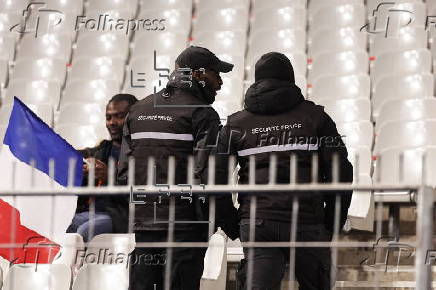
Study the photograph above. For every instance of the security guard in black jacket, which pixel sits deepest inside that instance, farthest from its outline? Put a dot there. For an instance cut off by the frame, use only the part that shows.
(176, 121)
(278, 120)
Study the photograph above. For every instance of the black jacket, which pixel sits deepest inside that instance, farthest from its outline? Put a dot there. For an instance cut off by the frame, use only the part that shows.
(179, 122)
(115, 206)
(277, 120)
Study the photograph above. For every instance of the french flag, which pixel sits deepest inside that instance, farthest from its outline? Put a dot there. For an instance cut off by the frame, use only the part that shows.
(30, 151)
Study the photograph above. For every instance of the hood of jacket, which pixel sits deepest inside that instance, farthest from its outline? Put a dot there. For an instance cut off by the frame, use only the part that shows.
(272, 96)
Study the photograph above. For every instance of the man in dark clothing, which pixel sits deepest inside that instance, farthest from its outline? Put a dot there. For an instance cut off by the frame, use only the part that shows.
(177, 121)
(277, 120)
(108, 209)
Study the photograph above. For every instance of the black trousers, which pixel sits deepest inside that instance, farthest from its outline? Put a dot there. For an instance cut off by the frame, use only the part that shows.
(147, 269)
(312, 265)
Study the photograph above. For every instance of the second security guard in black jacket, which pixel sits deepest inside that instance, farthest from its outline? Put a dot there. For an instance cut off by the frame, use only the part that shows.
(177, 121)
(278, 120)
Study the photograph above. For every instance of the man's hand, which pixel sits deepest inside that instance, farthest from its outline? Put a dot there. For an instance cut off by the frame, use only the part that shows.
(100, 170)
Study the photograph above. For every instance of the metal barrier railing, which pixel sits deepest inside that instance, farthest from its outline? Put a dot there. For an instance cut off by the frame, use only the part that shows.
(385, 193)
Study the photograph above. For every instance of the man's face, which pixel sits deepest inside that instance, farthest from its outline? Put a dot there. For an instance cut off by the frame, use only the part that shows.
(211, 77)
(115, 114)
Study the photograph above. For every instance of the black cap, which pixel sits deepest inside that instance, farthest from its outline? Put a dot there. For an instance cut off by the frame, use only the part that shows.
(274, 65)
(196, 57)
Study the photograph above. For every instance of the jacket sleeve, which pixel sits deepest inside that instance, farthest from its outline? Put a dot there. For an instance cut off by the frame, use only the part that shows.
(206, 125)
(331, 143)
(125, 153)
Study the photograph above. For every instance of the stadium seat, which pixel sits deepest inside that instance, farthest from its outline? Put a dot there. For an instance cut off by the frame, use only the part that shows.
(215, 263)
(165, 4)
(40, 69)
(34, 92)
(7, 46)
(408, 38)
(259, 5)
(301, 82)
(94, 44)
(225, 108)
(99, 6)
(72, 251)
(348, 110)
(113, 244)
(405, 134)
(406, 110)
(82, 114)
(53, 22)
(341, 87)
(222, 42)
(280, 17)
(175, 20)
(231, 19)
(92, 91)
(402, 62)
(315, 5)
(69, 6)
(364, 157)
(142, 78)
(5, 111)
(40, 276)
(284, 41)
(357, 134)
(401, 12)
(336, 40)
(45, 46)
(102, 277)
(82, 136)
(338, 64)
(338, 16)
(237, 61)
(104, 68)
(206, 5)
(9, 19)
(162, 42)
(411, 166)
(4, 70)
(232, 88)
(409, 86)
(13, 6)
(298, 61)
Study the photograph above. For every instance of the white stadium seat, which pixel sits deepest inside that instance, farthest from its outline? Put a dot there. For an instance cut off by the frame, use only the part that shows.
(315, 5)
(7, 46)
(40, 69)
(401, 62)
(232, 88)
(165, 4)
(237, 61)
(230, 42)
(259, 5)
(162, 42)
(405, 134)
(337, 40)
(284, 41)
(8, 20)
(389, 161)
(45, 46)
(410, 86)
(93, 91)
(408, 38)
(347, 110)
(338, 16)
(4, 71)
(2, 135)
(34, 92)
(53, 22)
(102, 277)
(301, 82)
(82, 114)
(99, 6)
(70, 6)
(72, 251)
(361, 159)
(401, 12)
(104, 68)
(175, 20)
(82, 136)
(13, 6)
(341, 87)
(357, 134)
(108, 44)
(206, 5)
(407, 110)
(225, 108)
(339, 64)
(222, 19)
(286, 17)
(115, 244)
(41, 276)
